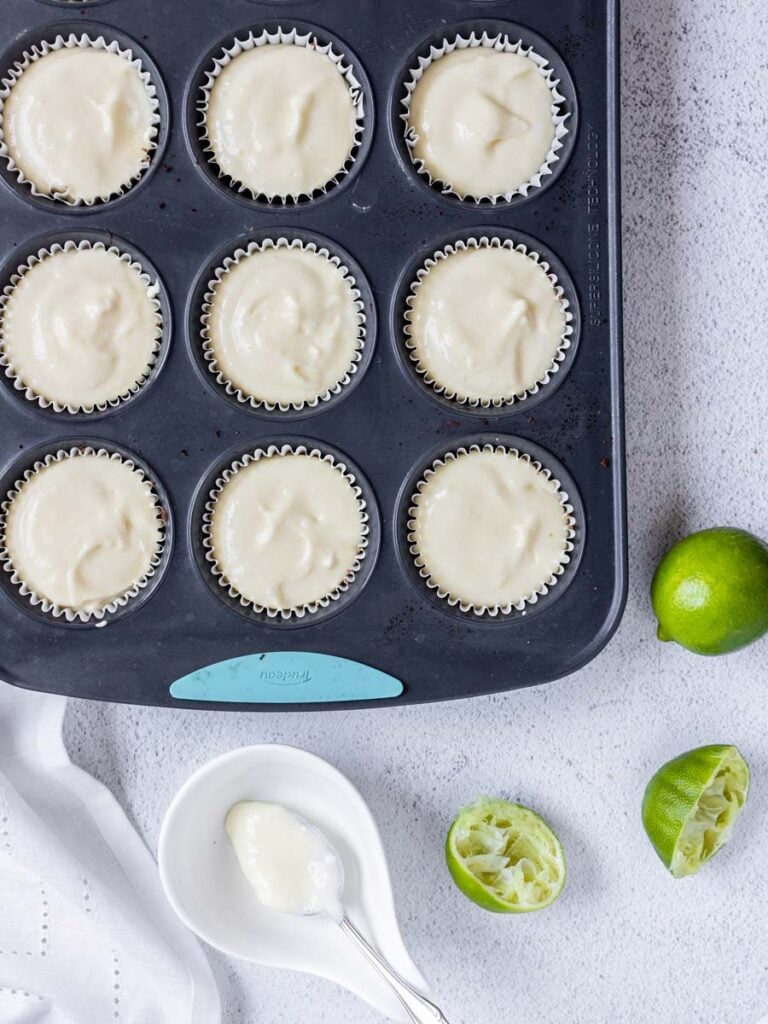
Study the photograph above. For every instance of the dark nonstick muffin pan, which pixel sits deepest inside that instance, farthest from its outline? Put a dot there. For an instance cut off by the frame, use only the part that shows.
(389, 638)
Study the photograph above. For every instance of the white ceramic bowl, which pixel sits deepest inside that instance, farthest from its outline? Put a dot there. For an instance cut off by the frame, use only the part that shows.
(206, 888)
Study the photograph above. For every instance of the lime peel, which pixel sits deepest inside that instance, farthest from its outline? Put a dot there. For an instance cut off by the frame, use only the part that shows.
(504, 857)
(692, 804)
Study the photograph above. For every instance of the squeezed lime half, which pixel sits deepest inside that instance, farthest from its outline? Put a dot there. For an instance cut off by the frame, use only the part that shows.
(692, 804)
(505, 858)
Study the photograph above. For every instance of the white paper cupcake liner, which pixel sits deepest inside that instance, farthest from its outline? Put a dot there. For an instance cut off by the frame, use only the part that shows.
(208, 346)
(486, 242)
(493, 610)
(502, 43)
(42, 603)
(256, 455)
(153, 292)
(280, 37)
(72, 41)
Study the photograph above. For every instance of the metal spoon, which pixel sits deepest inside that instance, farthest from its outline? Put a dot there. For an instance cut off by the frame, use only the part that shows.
(420, 1010)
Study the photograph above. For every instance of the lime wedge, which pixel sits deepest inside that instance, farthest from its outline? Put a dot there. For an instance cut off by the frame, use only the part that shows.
(505, 858)
(691, 805)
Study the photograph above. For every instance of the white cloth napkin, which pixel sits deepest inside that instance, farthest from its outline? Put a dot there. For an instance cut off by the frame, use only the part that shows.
(86, 935)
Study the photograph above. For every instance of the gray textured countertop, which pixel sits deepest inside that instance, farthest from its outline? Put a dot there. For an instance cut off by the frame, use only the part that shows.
(624, 942)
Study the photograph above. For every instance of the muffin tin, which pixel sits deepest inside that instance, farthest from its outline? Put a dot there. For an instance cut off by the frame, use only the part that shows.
(184, 644)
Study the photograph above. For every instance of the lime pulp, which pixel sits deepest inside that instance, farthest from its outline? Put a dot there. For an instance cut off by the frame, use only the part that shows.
(692, 804)
(505, 858)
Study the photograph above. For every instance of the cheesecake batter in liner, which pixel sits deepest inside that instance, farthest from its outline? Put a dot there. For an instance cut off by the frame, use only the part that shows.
(10, 76)
(501, 43)
(280, 36)
(209, 355)
(496, 612)
(308, 609)
(488, 242)
(153, 292)
(73, 615)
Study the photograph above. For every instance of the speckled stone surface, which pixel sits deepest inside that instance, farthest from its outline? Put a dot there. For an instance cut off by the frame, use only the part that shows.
(624, 943)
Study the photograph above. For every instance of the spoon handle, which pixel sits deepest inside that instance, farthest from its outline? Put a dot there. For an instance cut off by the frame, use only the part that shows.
(420, 1009)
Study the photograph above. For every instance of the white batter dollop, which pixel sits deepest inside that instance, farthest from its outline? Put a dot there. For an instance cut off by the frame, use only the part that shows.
(82, 531)
(486, 323)
(281, 120)
(283, 325)
(286, 530)
(78, 122)
(289, 863)
(489, 528)
(483, 120)
(80, 328)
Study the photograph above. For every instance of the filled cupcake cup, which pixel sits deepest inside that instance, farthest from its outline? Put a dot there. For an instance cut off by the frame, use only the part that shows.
(11, 76)
(153, 291)
(490, 610)
(474, 244)
(303, 611)
(60, 611)
(277, 244)
(253, 40)
(498, 42)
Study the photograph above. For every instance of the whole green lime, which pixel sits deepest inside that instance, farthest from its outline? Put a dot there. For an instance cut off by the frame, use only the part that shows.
(710, 592)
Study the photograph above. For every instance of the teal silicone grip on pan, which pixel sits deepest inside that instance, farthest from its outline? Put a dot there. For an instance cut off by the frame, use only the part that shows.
(286, 677)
